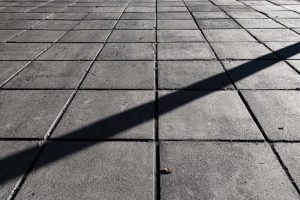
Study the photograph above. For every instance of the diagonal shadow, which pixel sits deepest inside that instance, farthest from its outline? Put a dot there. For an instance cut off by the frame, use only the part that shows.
(140, 114)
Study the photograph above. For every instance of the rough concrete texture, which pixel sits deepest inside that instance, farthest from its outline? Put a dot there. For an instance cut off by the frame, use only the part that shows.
(149, 99)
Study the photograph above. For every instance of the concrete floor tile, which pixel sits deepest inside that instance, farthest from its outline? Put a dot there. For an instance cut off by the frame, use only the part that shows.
(8, 68)
(17, 24)
(71, 51)
(84, 118)
(276, 46)
(127, 51)
(56, 25)
(96, 24)
(184, 51)
(8, 34)
(217, 23)
(180, 36)
(210, 15)
(136, 24)
(176, 24)
(275, 35)
(29, 114)
(138, 16)
(110, 170)
(259, 23)
(208, 117)
(295, 64)
(250, 171)
(102, 16)
(174, 16)
(85, 36)
(277, 112)
(50, 74)
(132, 36)
(228, 35)
(121, 75)
(38, 36)
(181, 74)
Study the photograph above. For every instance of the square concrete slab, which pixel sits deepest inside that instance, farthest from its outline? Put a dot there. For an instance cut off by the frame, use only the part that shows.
(277, 46)
(204, 8)
(50, 74)
(184, 51)
(87, 114)
(185, 74)
(71, 52)
(272, 76)
(29, 114)
(172, 9)
(132, 36)
(17, 24)
(217, 23)
(8, 34)
(250, 171)
(176, 24)
(259, 23)
(175, 15)
(180, 36)
(68, 16)
(96, 24)
(210, 15)
(228, 35)
(275, 35)
(277, 111)
(290, 155)
(21, 51)
(121, 75)
(38, 36)
(85, 36)
(56, 25)
(209, 116)
(136, 24)
(246, 15)
(242, 50)
(127, 51)
(9, 68)
(140, 9)
(103, 16)
(138, 15)
(110, 170)
(15, 158)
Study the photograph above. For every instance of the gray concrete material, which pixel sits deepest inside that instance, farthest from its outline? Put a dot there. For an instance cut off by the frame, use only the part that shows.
(276, 76)
(277, 112)
(96, 24)
(15, 167)
(295, 64)
(17, 24)
(21, 51)
(210, 15)
(184, 51)
(132, 36)
(127, 51)
(172, 9)
(121, 75)
(180, 36)
(181, 74)
(29, 114)
(242, 50)
(246, 15)
(8, 34)
(90, 107)
(138, 15)
(140, 9)
(136, 24)
(223, 171)
(290, 155)
(47, 9)
(17, 9)
(228, 35)
(38, 36)
(68, 16)
(283, 14)
(50, 74)
(259, 23)
(23, 16)
(71, 51)
(100, 15)
(9, 68)
(176, 24)
(204, 8)
(55, 25)
(85, 36)
(275, 46)
(217, 23)
(109, 9)
(210, 117)
(291, 23)
(109, 170)
(275, 35)
(174, 16)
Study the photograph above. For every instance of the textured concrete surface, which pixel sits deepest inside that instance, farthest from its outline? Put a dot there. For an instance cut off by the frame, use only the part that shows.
(149, 99)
